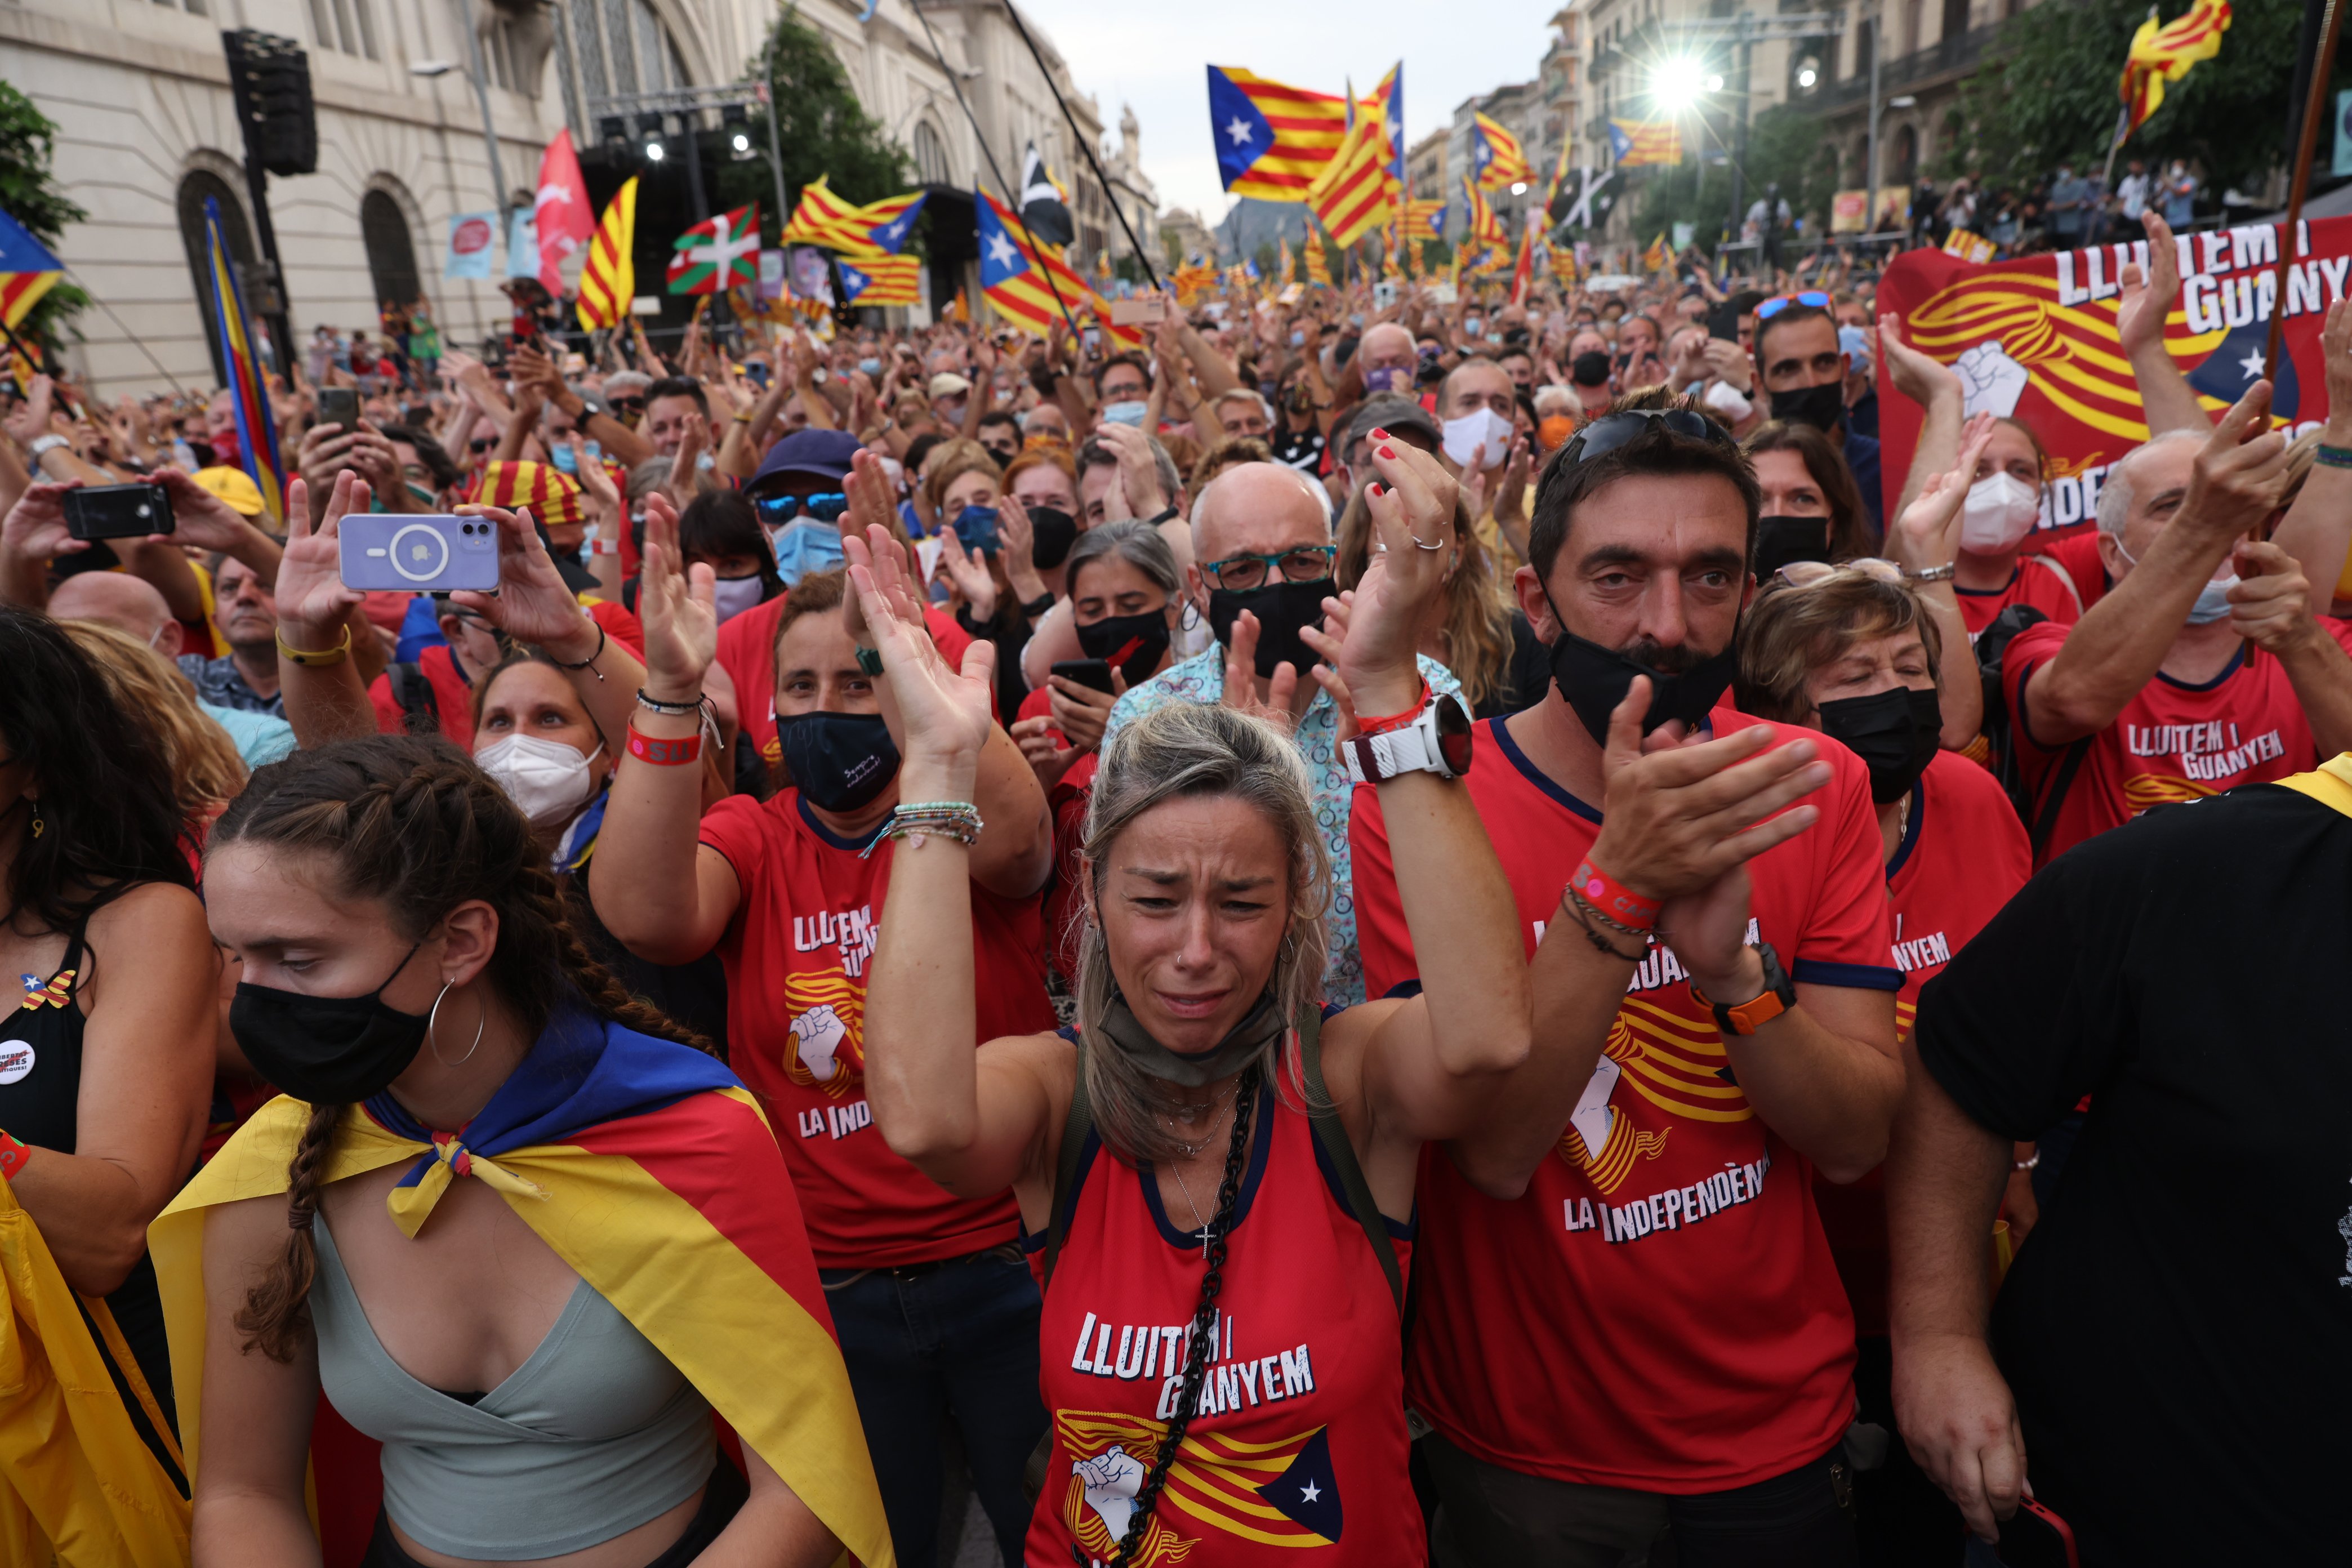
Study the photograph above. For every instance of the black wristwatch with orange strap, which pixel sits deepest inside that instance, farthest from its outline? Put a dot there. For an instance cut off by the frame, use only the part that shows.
(1779, 996)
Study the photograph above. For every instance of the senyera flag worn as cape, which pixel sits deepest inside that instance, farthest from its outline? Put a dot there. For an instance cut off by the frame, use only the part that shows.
(649, 1169)
(2036, 337)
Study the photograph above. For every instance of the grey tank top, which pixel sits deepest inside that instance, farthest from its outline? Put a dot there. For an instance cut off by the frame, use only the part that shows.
(596, 1433)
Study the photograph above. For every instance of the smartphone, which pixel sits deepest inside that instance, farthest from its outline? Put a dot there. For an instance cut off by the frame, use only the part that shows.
(339, 405)
(1090, 672)
(758, 374)
(2033, 1537)
(1384, 294)
(431, 554)
(1130, 313)
(117, 512)
(1723, 323)
(1092, 338)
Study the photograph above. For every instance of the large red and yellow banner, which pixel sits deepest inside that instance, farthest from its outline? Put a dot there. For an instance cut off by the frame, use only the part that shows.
(2035, 339)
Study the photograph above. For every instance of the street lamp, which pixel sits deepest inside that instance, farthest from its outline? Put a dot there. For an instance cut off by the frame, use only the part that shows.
(1807, 77)
(431, 69)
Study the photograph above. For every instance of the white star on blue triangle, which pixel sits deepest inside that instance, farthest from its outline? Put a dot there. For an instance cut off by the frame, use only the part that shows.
(1000, 258)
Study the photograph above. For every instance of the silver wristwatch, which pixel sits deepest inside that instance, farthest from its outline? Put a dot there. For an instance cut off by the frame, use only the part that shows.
(1438, 740)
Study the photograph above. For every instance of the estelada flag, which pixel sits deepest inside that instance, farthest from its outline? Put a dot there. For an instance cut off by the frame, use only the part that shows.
(1272, 139)
(1657, 255)
(1633, 142)
(2034, 339)
(878, 278)
(1496, 155)
(1484, 238)
(2162, 54)
(718, 255)
(26, 271)
(648, 1168)
(609, 282)
(1014, 278)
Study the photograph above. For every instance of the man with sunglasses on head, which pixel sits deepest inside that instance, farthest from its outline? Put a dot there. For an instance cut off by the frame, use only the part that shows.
(1631, 1324)
(1803, 368)
(1260, 575)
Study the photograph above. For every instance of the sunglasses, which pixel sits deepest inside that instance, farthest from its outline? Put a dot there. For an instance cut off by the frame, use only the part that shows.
(1612, 431)
(1813, 573)
(485, 445)
(632, 406)
(1813, 299)
(774, 510)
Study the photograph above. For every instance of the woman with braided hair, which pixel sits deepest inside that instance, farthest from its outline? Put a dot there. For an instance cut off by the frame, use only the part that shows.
(500, 1220)
(1215, 1174)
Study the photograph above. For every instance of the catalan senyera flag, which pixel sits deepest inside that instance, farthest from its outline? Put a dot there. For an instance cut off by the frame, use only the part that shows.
(1523, 271)
(1558, 170)
(1318, 266)
(2164, 53)
(1634, 142)
(1272, 139)
(719, 254)
(1657, 255)
(1485, 236)
(256, 428)
(609, 280)
(1013, 273)
(28, 271)
(878, 278)
(1351, 194)
(1196, 277)
(649, 1169)
(1496, 157)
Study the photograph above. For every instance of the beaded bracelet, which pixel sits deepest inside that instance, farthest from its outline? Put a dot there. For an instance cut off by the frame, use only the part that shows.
(670, 709)
(914, 821)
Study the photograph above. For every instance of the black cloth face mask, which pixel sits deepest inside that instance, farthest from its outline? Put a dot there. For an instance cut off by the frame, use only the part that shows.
(838, 760)
(328, 1050)
(1144, 639)
(1123, 1030)
(1052, 531)
(1780, 539)
(1896, 733)
(1818, 406)
(1594, 680)
(1283, 609)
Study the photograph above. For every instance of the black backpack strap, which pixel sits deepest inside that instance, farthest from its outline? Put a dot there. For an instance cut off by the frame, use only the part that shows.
(420, 708)
(1075, 1127)
(1332, 1134)
(2045, 821)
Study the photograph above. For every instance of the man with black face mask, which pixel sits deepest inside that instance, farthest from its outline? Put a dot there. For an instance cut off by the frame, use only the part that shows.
(1262, 572)
(1803, 370)
(1656, 1265)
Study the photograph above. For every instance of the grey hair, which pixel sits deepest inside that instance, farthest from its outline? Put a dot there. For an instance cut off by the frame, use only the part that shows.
(2115, 493)
(1138, 543)
(1553, 398)
(1239, 393)
(626, 380)
(1093, 454)
(1183, 751)
(648, 477)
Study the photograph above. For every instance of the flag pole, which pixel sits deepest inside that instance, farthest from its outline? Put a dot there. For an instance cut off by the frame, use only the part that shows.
(1084, 145)
(2331, 23)
(955, 80)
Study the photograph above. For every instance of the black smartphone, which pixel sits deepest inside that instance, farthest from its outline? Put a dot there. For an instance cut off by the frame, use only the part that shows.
(339, 405)
(1090, 672)
(117, 512)
(1723, 323)
(2033, 1537)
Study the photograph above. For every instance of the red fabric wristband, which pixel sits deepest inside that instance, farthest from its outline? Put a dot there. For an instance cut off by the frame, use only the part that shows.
(13, 1156)
(1613, 898)
(1381, 726)
(664, 753)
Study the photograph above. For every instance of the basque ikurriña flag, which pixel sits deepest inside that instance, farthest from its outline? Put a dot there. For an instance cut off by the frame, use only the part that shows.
(648, 1168)
(257, 429)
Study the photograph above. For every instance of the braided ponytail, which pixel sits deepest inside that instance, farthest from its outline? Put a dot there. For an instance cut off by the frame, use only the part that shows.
(277, 1312)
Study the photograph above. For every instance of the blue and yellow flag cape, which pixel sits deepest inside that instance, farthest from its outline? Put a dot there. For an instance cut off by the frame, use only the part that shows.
(650, 1170)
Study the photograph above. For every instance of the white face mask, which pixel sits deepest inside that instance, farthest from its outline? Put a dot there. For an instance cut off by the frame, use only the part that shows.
(1728, 400)
(547, 780)
(736, 594)
(1481, 427)
(2212, 599)
(2001, 510)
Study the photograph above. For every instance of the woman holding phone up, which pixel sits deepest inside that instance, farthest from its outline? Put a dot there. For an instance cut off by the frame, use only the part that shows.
(1219, 1174)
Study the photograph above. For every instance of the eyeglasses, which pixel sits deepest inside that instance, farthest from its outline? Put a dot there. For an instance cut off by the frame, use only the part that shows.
(1303, 563)
(1612, 431)
(1811, 298)
(479, 447)
(828, 508)
(629, 405)
(1813, 573)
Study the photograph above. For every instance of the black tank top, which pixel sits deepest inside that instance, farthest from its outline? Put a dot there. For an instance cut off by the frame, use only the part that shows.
(40, 1093)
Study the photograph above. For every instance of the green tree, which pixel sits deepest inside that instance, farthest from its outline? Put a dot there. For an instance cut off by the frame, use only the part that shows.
(2050, 93)
(28, 194)
(820, 126)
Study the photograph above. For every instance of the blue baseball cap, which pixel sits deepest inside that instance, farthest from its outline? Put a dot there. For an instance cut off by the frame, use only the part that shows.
(820, 454)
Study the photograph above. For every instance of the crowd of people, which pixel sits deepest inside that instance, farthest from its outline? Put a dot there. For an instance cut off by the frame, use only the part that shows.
(1454, 931)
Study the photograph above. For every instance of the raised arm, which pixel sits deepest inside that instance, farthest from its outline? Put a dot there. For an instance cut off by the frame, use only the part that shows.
(326, 694)
(1925, 537)
(2271, 607)
(533, 606)
(1935, 388)
(2318, 526)
(2165, 397)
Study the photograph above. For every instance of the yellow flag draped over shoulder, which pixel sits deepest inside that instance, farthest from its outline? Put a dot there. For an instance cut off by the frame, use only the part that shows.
(609, 282)
(651, 1170)
(2164, 53)
(77, 1485)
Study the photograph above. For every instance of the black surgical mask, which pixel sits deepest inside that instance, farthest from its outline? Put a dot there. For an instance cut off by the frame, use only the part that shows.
(328, 1050)
(1818, 406)
(838, 760)
(1052, 531)
(1594, 680)
(1780, 539)
(1895, 734)
(1590, 368)
(1146, 634)
(1283, 609)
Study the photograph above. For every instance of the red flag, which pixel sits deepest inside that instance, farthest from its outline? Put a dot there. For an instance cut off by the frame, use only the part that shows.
(560, 211)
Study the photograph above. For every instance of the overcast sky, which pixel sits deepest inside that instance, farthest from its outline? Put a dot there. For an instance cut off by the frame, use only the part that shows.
(1155, 58)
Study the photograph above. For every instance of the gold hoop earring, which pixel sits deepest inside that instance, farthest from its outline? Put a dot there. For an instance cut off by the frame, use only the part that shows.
(432, 1021)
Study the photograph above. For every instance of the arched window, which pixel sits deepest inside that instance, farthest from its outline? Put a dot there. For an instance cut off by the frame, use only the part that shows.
(194, 189)
(931, 155)
(391, 257)
(1904, 157)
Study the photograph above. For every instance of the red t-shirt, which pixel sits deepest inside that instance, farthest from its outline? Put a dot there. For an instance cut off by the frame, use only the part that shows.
(2172, 742)
(1660, 1309)
(1962, 856)
(453, 694)
(2036, 581)
(747, 650)
(2078, 554)
(796, 955)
